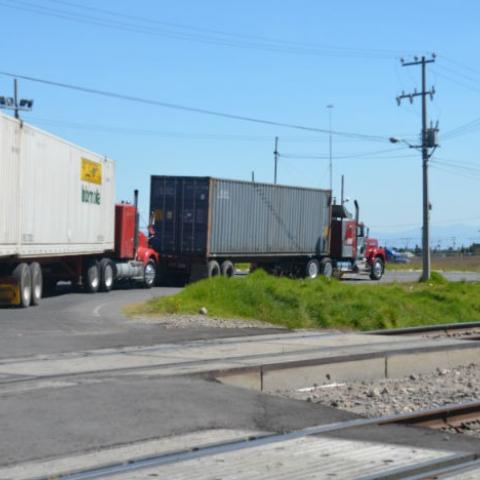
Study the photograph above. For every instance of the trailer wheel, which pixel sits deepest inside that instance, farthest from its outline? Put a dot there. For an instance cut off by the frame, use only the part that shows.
(213, 269)
(22, 275)
(326, 267)
(91, 277)
(312, 268)
(228, 269)
(107, 274)
(37, 282)
(376, 272)
(149, 274)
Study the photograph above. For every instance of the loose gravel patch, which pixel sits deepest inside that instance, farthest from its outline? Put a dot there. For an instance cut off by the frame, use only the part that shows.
(467, 334)
(203, 321)
(404, 395)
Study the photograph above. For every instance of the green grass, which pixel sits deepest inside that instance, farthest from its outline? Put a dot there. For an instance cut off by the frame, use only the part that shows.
(324, 303)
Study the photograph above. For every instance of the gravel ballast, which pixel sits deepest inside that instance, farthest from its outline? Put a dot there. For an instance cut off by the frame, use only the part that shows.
(203, 321)
(397, 396)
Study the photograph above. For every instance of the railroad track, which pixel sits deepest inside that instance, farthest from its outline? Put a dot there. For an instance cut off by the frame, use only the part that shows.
(469, 330)
(422, 470)
(439, 417)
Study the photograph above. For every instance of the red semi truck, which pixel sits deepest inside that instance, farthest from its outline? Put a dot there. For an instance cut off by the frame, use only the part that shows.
(351, 247)
(202, 226)
(59, 220)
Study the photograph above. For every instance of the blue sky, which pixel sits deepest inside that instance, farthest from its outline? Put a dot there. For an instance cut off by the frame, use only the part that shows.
(344, 53)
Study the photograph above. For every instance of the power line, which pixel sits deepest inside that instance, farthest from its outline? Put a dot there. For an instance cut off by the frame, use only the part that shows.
(454, 171)
(472, 169)
(342, 156)
(458, 74)
(438, 222)
(202, 111)
(117, 129)
(214, 37)
(459, 64)
(230, 34)
(464, 129)
(456, 81)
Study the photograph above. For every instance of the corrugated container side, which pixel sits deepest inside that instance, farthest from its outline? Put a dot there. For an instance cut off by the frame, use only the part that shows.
(200, 216)
(58, 210)
(267, 219)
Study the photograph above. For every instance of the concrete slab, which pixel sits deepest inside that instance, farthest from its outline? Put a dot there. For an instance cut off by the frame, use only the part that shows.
(401, 365)
(298, 377)
(53, 468)
(309, 457)
(270, 352)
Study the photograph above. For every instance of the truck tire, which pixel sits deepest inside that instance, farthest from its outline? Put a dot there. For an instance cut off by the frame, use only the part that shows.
(22, 275)
(228, 269)
(376, 271)
(37, 282)
(91, 277)
(149, 274)
(107, 274)
(326, 267)
(213, 269)
(312, 269)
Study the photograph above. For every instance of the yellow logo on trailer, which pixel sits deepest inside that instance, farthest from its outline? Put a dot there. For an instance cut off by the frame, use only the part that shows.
(91, 171)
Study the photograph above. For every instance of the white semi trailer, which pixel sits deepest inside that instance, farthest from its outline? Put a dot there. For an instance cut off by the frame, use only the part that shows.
(58, 218)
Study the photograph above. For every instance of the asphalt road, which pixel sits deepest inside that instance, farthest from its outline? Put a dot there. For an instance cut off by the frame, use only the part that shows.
(65, 416)
(76, 321)
(404, 276)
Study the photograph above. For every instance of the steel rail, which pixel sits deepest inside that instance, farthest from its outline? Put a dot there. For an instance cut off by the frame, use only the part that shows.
(445, 328)
(213, 373)
(421, 418)
(448, 415)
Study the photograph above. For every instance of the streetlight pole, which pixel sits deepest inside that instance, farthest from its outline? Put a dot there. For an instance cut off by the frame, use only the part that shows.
(14, 103)
(275, 161)
(330, 165)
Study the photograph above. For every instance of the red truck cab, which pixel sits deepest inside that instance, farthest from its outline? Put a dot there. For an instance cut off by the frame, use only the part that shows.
(351, 248)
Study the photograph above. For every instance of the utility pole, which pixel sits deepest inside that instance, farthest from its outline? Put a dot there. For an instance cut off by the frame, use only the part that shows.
(330, 165)
(12, 103)
(428, 138)
(275, 159)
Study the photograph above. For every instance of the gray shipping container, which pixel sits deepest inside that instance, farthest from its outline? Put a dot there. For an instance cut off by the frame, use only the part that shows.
(210, 217)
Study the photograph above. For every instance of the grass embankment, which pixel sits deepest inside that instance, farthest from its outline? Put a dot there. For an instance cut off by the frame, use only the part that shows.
(324, 303)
